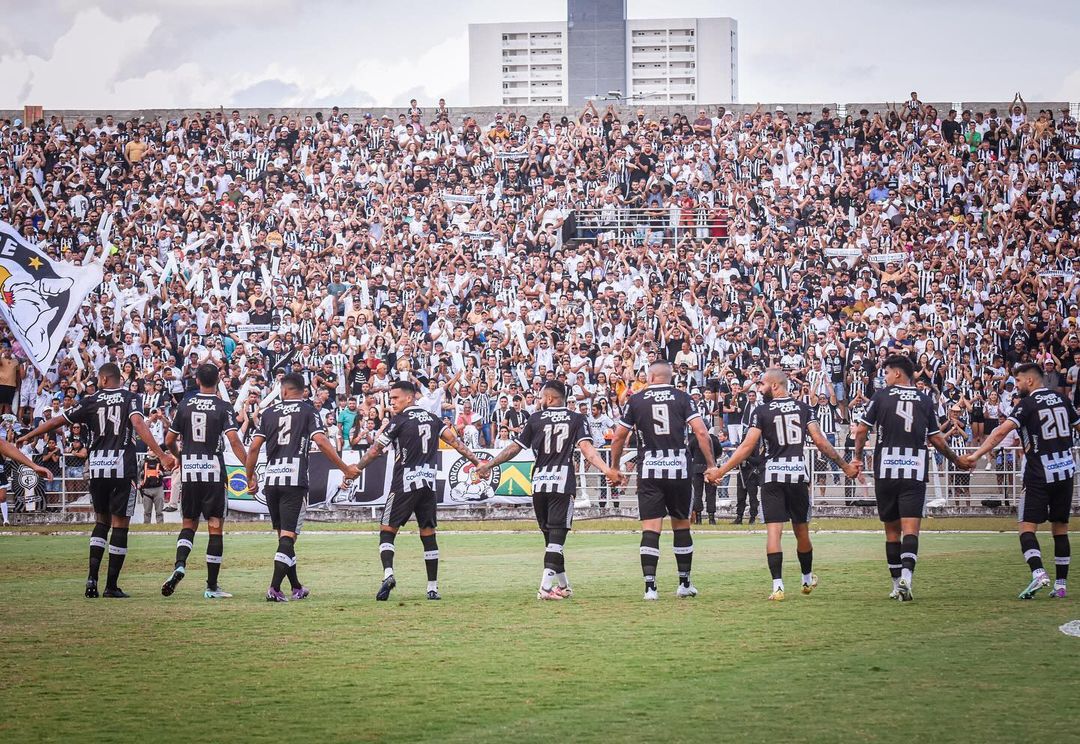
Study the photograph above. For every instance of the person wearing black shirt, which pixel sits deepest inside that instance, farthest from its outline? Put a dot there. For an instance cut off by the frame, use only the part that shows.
(113, 417)
(783, 423)
(414, 435)
(200, 424)
(288, 428)
(697, 464)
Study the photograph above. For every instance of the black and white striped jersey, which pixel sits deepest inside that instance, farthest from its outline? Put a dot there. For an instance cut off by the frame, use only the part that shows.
(903, 418)
(107, 416)
(1045, 420)
(553, 435)
(660, 413)
(200, 423)
(783, 423)
(288, 426)
(414, 435)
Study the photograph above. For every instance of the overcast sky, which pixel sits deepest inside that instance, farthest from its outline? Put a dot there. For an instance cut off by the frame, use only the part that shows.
(124, 54)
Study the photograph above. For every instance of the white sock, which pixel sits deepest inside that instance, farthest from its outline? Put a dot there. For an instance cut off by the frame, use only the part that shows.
(778, 585)
(546, 578)
(1059, 582)
(3, 509)
(387, 572)
(895, 584)
(905, 574)
(563, 581)
(433, 586)
(808, 578)
(1038, 572)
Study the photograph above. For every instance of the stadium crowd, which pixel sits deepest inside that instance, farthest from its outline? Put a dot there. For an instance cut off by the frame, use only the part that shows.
(483, 257)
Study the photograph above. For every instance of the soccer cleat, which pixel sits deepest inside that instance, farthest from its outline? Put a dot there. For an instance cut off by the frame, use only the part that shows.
(777, 596)
(1038, 582)
(895, 593)
(115, 593)
(1058, 592)
(651, 595)
(216, 593)
(807, 588)
(433, 594)
(686, 590)
(91, 589)
(564, 591)
(171, 583)
(903, 591)
(275, 595)
(300, 592)
(548, 594)
(384, 591)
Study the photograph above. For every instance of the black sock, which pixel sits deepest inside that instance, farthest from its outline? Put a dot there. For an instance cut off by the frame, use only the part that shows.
(386, 549)
(892, 557)
(553, 553)
(1030, 545)
(806, 560)
(283, 559)
(1061, 557)
(650, 556)
(909, 552)
(98, 542)
(431, 556)
(776, 564)
(184, 543)
(117, 553)
(684, 554)
(215, 548)
(294, 580)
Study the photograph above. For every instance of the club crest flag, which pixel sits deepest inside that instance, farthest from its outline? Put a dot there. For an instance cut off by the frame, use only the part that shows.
(39, 296)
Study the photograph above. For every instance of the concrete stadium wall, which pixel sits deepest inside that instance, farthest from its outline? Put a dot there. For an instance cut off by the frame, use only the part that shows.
(487, 113)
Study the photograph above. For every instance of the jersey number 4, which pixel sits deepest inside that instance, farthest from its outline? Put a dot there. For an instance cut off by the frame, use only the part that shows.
(905, 409)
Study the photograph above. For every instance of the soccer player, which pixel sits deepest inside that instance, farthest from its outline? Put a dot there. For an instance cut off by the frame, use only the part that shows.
(200, 423)
(905, 419)
(1045, 420)
(660, 413)
(288, 428)
(111, 415)
(553, 435)
(783, 423)
(414, 434)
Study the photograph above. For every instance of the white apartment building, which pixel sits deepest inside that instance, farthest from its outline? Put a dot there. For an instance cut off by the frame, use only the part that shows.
(673, 60)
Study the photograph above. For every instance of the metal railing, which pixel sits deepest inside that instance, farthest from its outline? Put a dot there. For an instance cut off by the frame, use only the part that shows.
(996, 482)
(649, 226)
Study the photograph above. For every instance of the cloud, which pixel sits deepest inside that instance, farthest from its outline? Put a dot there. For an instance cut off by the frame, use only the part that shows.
(265, 93)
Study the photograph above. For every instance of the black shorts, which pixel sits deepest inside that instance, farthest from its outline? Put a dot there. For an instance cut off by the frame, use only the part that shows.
(900, 498)
(786, 502)
(286, 505)
(554, 510)
(1046, 502)
(401, 505)
(202, 499)
(7, 395)
(665, 497)
(113, 496)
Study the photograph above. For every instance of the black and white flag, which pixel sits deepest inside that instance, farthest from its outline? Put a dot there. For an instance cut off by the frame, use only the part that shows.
(39, 296)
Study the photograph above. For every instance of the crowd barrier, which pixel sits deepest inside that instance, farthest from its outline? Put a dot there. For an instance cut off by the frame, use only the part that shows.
(996, 482)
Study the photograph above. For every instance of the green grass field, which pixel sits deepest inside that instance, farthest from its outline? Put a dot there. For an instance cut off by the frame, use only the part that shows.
(965, 662)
